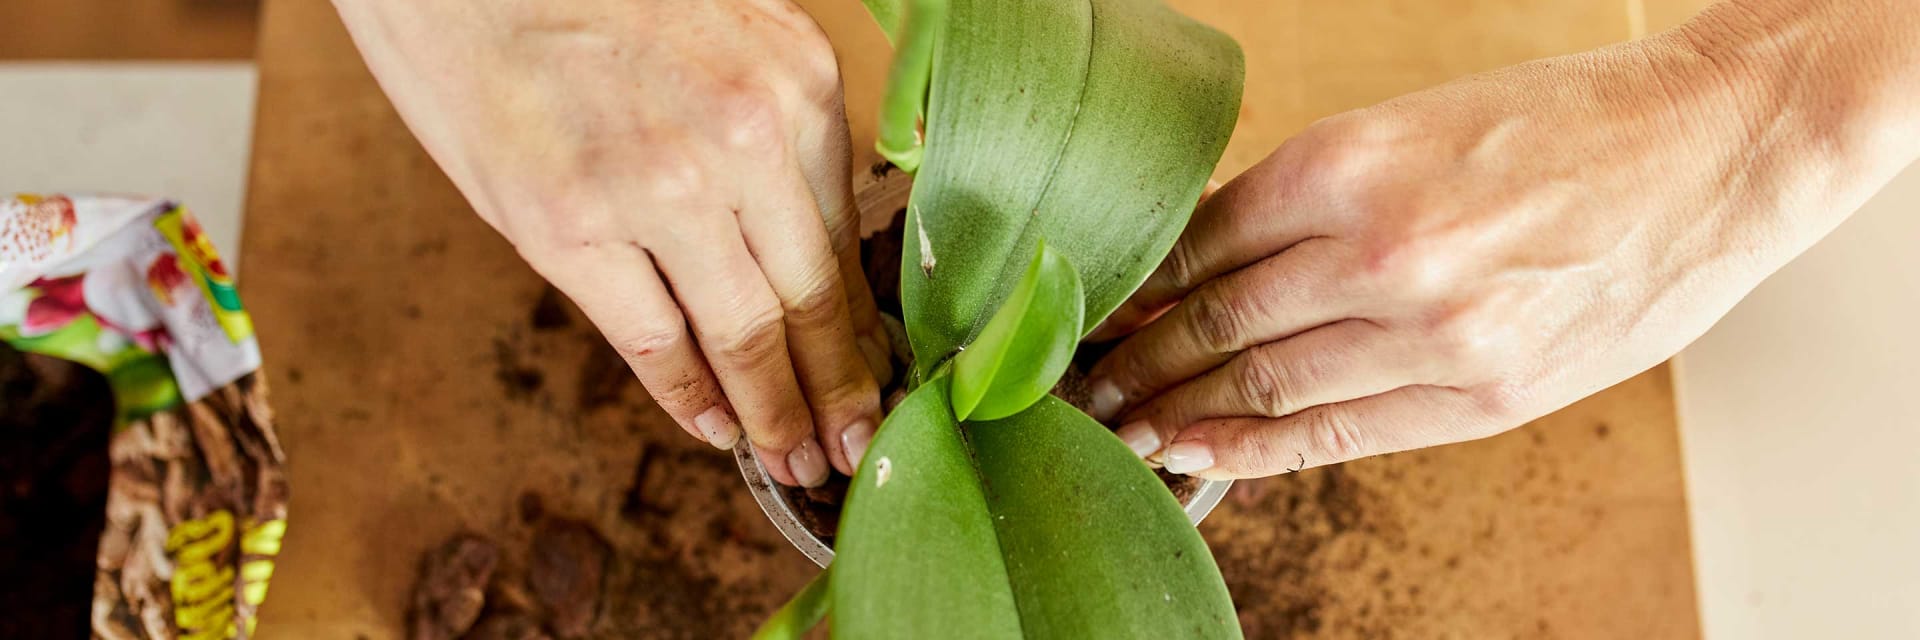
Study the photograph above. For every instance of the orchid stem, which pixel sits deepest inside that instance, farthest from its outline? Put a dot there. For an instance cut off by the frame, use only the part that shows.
(904, 110)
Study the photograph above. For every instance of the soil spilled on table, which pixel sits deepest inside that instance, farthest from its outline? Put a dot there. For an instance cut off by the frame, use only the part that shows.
(1293, 550)
(681, 552)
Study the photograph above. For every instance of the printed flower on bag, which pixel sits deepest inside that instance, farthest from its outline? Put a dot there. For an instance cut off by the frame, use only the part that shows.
(165, 278)
(60, 301)
(30, 225)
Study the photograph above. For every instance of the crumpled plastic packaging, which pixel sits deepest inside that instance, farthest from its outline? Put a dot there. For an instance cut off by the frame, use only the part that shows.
(196, 502)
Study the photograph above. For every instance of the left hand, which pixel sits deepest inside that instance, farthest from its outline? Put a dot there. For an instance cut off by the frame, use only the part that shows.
(1451, 264)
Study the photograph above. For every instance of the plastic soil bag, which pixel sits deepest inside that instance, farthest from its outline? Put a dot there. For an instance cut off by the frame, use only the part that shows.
(129, 369)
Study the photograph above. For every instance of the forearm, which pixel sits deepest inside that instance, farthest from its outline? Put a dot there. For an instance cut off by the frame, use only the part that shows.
(1827, 93)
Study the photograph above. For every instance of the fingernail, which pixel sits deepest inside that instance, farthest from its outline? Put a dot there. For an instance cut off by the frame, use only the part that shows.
(855, 440)
(1107, 399)
(1189, 457)
(719, 428)
(808, 465)
(1140, 437)
(1158, 460)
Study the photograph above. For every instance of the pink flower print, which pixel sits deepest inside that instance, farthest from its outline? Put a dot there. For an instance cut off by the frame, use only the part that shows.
(60, 301)
(30, 227)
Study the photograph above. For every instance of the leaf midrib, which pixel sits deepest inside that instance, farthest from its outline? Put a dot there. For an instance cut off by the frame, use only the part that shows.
(1053, 172)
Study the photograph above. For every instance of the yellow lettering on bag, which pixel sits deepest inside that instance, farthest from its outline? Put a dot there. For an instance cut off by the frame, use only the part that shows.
(202, 585)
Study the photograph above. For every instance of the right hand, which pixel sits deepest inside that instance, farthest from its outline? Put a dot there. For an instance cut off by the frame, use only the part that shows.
(681, 171)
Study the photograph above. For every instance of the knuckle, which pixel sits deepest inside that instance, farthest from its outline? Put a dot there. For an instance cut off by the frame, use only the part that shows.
(1264, 385)
(819, 72)
(1406, 264)
(1503, 400)
(808, 54)
(1459, 336)
(1216, 322)
(748, 117)
(1334, 436)
(1179, 266)
(782, 431)
(1337, 150)
(670, 179)
(817, 305)
(849, 398)
(549, 238)
(758, 336)
(640, 347)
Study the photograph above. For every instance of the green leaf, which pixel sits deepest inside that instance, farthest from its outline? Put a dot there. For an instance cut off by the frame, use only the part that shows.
(904, 105)
(1025, 347)
(1092, 123)
(1094, 544)
(916, 554)
(1048, 527)
(799, 614)
(887, 13)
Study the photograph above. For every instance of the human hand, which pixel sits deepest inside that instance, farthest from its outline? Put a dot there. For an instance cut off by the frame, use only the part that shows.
(681, 171)
(1453, 263)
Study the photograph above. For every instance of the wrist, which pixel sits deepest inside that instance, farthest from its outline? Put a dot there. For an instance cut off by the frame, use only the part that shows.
(1823, 97)
(1846, 65)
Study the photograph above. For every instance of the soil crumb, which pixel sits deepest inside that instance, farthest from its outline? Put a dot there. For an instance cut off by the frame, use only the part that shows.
(550, 311)
(451, 590)
(518, 378)
(568, 561)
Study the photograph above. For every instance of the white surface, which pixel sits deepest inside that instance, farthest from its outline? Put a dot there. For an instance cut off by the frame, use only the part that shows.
(1800, 424)
(181, 131)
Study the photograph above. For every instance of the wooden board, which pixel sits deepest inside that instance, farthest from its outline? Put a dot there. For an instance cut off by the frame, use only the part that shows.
(127, 29)
(424, 388)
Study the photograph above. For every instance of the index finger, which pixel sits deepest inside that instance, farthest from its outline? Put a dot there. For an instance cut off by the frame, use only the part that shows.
(1235, 226)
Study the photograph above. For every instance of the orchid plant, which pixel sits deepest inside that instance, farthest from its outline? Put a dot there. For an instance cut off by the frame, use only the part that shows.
(1058, 149)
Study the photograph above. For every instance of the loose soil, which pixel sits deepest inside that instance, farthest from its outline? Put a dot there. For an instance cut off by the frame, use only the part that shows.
(556, 576)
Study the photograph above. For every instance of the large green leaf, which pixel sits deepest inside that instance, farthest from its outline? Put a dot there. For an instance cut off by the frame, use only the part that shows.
(888, 13)
(799, 614)
(1048, 527)
(1092, 123)
(916, 555)
(1094, 544)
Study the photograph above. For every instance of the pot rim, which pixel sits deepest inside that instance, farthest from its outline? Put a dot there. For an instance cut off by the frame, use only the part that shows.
(773, 502)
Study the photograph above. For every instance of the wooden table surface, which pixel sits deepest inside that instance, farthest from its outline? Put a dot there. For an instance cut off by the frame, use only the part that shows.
(428, 382)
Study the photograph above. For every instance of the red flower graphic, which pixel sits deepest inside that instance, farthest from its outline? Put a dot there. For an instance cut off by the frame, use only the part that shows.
(202, 249)
(165, 277)
(60, 301)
